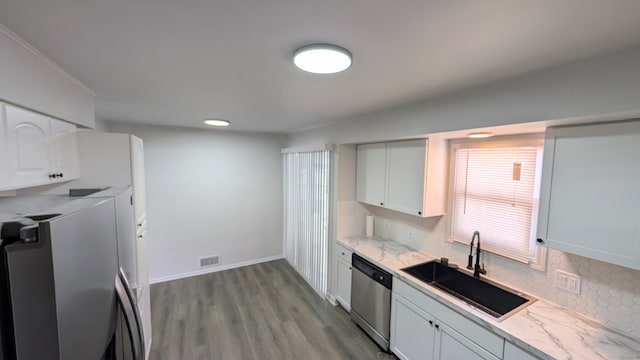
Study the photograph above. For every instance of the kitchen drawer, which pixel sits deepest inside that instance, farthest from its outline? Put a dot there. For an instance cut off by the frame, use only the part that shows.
(471, 330)
(512, 352)
(343, 253)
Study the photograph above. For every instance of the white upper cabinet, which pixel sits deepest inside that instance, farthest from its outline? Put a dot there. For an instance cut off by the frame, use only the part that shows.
(64, 150)
(28, 139)
(371, 173)
(5, 176)
(406, 176)
(406, 163)
(40, 150)
(31, 80)
(590, 192)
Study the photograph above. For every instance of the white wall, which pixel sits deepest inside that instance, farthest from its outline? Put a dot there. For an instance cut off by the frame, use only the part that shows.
(210, 192)
(32, 81)
(606, 87)
(101, 125)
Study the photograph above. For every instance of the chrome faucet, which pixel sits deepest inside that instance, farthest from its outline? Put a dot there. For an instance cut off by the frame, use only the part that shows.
(477, 270)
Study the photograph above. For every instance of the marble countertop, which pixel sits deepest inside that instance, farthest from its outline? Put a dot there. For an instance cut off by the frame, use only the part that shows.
(543, 328)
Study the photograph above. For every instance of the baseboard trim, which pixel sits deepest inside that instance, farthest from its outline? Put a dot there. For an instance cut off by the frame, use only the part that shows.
(214, 269)
(332, 300)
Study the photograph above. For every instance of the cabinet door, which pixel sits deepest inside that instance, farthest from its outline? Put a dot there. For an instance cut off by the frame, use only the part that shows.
(452, 345)
(412, 330)
(590, 198)
(138, 179)
(28, 138)
(406, 176)
(5, 174)
(370, 173)
(344, 284)
(512, 352)
(64, 150)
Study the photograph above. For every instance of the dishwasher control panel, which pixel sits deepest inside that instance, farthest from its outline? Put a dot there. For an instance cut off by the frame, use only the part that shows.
(372, 271)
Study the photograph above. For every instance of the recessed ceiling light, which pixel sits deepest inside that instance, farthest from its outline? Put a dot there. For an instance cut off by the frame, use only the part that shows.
(217, 122)
(322, 58)
(479, 135)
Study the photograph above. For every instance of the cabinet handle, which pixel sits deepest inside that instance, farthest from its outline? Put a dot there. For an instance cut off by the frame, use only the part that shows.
(419, 212)
(60, 175)
(381, 204)
(51, 176)
(343, 254)
(437, 326)
(540, 241)
(431, 322)
(140, 236)
(349, 267)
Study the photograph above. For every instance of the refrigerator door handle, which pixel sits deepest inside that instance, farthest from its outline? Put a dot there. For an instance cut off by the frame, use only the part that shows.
(134, 300)
(131, 315)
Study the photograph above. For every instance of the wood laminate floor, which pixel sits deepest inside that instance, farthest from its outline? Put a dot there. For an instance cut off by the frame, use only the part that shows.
(263, 311)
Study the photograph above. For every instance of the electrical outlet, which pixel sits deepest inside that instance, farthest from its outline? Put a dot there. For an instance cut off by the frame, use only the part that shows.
(567, 281)
(411, 232)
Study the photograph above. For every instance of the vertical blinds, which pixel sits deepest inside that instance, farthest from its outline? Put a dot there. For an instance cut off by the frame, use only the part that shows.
(306, 214)
(495, 193)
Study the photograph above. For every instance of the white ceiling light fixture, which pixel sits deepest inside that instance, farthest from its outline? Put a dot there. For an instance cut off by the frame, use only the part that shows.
(480, 135)
(217, 122)
(322, 58)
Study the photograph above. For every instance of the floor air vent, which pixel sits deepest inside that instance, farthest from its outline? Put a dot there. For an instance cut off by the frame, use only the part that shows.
(209, 261)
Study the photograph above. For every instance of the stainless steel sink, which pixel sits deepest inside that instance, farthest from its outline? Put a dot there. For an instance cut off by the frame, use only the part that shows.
(496, 300)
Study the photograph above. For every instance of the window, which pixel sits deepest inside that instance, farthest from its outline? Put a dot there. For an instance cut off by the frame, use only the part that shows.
(495, 190)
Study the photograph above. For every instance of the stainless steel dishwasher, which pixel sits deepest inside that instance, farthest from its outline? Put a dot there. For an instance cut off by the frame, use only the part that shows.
(371, 299)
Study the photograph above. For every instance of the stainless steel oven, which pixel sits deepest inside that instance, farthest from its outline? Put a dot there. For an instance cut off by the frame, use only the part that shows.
(371, 299)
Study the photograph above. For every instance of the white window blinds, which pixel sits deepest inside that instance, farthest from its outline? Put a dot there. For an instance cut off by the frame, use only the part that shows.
(495, 193)
(306, 214)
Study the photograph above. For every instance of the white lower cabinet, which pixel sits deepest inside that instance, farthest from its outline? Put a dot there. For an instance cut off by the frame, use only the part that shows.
(424, 329)
(512, 352)
(343, 277)
(412, 330)
(453, 345)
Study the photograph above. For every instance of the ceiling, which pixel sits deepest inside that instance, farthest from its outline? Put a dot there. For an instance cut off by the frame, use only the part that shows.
(177, 62)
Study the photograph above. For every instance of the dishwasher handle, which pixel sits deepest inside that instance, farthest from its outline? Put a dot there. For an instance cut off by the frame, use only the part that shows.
(372, 271)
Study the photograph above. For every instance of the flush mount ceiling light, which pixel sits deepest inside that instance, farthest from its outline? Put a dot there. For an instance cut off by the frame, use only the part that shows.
(322, 58)
(480, 135)
(217, 122)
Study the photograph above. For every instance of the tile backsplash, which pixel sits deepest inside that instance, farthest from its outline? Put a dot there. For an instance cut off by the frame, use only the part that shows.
(608, 293)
